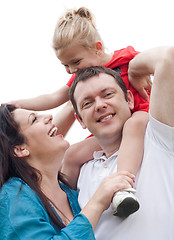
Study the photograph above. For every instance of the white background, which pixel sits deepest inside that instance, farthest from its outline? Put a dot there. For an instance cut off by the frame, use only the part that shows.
(28, 65)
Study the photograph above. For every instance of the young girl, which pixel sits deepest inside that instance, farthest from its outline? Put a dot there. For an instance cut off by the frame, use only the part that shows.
(78, 45)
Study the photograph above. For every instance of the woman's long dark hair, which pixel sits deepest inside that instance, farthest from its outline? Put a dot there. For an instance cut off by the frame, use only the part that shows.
(13, 166)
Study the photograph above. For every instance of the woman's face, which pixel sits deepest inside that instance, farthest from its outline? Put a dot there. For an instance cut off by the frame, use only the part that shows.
(41, 134)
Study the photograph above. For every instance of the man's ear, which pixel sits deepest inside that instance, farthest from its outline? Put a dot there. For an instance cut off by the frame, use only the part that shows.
(130, 99)
(21, 151)
(80, 121)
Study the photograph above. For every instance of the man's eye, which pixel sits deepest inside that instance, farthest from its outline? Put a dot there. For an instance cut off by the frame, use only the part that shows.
(86, 104)
(108, 94)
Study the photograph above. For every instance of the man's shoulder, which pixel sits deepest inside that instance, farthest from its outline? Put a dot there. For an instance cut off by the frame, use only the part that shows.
(160, 133)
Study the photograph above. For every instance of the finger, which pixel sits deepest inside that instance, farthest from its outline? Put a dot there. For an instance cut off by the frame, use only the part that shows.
(149, 86)
(144, 94)
(126, 174)
(129, 180)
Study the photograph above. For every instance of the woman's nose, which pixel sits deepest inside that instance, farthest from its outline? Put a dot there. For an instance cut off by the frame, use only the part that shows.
(48, 118)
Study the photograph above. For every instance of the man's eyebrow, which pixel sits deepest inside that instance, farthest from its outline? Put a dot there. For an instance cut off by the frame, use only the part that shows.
(84, 99)
(101, 91)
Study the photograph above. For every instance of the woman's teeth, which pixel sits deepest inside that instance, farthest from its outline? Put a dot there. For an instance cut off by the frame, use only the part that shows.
(53, 132)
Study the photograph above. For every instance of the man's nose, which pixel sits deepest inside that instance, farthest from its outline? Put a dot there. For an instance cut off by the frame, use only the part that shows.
(99, 104)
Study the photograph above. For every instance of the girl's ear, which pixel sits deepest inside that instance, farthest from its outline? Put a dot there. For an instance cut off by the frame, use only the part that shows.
(21, 151)
(130, 99)
(80, 121)
(99, 46)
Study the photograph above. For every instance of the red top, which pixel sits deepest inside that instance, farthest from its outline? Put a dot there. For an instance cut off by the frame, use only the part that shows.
(120, 60)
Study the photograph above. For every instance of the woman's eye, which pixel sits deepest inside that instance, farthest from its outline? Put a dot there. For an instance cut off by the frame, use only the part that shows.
(34, 119)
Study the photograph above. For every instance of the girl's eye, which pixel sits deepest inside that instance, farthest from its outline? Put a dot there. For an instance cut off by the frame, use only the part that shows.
(77, 62)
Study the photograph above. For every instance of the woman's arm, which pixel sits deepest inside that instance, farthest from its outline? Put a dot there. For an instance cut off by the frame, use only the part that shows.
(103, 196)
(22, 215)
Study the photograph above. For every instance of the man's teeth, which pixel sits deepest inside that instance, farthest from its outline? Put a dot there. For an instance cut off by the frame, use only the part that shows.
(53, 132)
(109, 116)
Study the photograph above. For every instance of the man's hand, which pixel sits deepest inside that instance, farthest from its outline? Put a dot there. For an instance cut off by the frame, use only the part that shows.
(142, 84)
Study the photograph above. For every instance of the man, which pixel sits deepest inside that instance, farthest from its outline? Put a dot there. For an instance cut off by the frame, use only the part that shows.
(155, 185)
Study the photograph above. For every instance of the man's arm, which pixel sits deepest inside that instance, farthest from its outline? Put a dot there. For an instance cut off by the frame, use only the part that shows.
(160, 62)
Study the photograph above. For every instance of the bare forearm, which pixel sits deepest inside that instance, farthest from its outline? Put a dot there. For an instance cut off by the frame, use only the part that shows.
(93, 212)
(45, 101)
(132, 145)
(145, 62)
(64, 119)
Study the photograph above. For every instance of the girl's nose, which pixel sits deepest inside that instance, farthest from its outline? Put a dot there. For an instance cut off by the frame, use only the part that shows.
(72, 70)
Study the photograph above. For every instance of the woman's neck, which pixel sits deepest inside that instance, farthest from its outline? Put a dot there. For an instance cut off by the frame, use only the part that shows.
(57, 197)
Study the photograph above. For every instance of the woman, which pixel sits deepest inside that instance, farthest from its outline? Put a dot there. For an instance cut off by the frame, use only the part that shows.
(35, 200)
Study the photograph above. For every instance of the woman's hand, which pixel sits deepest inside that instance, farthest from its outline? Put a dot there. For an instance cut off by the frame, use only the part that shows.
(102, 198)
(111, 184)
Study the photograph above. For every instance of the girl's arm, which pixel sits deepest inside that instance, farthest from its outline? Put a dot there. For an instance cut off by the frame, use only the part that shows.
(45, 101)
(64, 118)
(78, 154)
(132, 146)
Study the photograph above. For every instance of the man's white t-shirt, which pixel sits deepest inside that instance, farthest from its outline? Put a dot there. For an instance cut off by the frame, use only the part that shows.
(154, 184)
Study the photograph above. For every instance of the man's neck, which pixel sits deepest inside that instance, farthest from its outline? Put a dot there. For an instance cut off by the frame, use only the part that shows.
(110, 148)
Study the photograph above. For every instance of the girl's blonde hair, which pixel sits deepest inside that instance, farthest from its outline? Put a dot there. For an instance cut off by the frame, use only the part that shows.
(76, 25)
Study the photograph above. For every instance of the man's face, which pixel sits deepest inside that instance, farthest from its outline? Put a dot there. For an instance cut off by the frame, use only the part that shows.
(102, 106)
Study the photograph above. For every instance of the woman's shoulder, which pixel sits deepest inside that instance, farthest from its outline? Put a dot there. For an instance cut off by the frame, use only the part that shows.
(14, 184)
(16, 188)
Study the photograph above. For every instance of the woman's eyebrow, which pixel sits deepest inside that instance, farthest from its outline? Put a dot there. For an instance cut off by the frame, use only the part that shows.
(31, 115)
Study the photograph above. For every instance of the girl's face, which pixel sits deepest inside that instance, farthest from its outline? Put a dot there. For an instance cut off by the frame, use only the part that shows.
(41, 134)
(76, 57)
